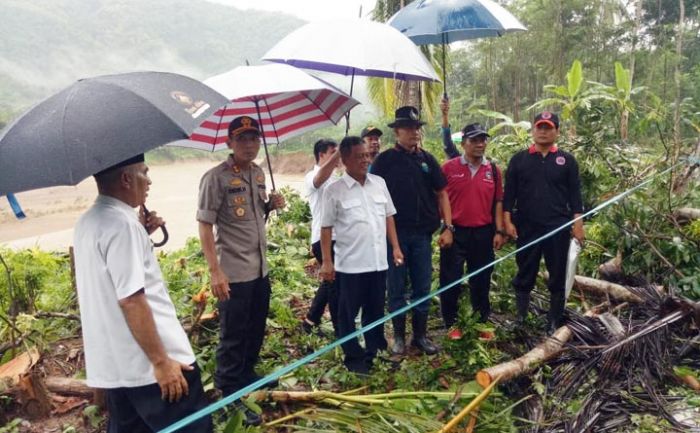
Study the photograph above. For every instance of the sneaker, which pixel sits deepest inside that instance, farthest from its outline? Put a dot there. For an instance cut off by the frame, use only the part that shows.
(454, 334)
(250, 418)
(486, 335)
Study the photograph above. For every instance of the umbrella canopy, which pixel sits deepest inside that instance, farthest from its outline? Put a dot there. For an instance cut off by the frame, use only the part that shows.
(286, 101)
(98, 122)
(353, 47)
(445, 21)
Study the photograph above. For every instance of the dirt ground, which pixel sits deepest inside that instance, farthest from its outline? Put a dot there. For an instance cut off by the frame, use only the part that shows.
(52, 212)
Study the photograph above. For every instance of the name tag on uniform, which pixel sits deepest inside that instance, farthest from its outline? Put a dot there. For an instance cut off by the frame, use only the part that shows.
(236, 190)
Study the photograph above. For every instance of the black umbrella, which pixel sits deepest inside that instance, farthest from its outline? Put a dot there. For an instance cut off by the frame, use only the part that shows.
(98, 122)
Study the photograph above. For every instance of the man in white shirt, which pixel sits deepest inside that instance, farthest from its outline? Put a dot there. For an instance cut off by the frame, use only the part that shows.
(359, 209)
(327, 160)
(134, 344)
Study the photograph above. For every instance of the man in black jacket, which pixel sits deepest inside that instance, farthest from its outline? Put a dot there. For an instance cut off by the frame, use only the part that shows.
(542, 192)
(417, 188)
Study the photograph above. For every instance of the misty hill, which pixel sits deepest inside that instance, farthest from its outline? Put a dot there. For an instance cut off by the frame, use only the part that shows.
(48, 44)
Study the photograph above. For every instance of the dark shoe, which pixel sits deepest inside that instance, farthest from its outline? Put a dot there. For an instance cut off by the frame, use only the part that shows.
(522, 304)
(398, 347)
(420, 339)
(269, 385)
(424, 344)
(358, 366)
(250, 418)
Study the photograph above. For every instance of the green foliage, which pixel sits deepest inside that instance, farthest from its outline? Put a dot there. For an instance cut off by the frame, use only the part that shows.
(12, 426)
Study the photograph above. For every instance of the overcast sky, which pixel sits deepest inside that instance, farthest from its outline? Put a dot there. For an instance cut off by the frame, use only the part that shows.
(309, 10)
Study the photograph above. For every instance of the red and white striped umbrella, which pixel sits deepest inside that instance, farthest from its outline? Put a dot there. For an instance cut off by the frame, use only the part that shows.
(287, 102)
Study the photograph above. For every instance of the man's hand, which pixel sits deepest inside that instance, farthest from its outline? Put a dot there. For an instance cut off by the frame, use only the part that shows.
(510, 230)
(276, 201)
(151, 221)
(219, 285)
(398, 257)
(578, 232)
(445, 107)
(445, 239)
(327, 271)
(173, 385)
(498, 241)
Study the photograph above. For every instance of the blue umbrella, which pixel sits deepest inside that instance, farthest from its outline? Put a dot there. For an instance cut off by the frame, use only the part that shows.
(445, 21)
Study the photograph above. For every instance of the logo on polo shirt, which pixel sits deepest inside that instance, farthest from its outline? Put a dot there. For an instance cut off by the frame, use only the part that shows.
(561, 160)
(488, 175)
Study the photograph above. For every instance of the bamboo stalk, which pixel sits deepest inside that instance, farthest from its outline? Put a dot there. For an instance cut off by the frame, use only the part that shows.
(470, 407)
(289, 417)
(313, 396)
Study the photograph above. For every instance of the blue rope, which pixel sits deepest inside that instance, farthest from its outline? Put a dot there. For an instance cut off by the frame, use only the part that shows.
(308, 358)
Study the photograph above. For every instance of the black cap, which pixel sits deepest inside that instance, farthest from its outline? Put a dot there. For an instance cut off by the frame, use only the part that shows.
(242, 124)
(547, 117)
(406, 116)
(133, 160)
(474, 130)
(371, 130)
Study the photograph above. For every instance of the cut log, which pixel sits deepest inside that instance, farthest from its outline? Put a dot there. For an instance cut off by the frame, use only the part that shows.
(612, 269)
(12, 371)
(605, 288)
(544, 351)
(68, 386)
(506, 371)
(686, 214)
(33, 396)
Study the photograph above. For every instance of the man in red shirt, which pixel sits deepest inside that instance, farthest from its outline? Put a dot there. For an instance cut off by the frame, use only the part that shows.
(475, 191)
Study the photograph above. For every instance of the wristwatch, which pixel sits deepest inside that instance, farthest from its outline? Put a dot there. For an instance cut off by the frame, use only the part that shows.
(449, 227)
(501, 232)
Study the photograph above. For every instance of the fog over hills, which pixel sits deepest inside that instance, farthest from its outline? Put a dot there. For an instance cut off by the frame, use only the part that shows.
(48, 44)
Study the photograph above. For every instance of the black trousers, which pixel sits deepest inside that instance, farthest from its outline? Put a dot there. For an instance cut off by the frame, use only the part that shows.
(326, 294)
(364, 291)
(142, 410)
(473, 245)
(554, 249)
(242, 328)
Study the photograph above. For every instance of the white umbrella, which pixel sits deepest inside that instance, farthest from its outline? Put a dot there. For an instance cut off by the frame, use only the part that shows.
(353, 47)
(286, 101)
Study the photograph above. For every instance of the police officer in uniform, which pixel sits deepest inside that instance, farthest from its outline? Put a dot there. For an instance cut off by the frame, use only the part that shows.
(233, 198)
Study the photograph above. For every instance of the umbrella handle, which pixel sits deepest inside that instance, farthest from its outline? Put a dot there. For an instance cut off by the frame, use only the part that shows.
(166, 236)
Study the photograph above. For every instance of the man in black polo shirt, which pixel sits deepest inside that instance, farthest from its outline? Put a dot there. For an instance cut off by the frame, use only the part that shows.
(543, 192)
(417, 187)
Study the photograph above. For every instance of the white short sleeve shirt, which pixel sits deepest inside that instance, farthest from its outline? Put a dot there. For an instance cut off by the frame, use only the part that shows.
(358, 216)
(315, 197)
(113, 260)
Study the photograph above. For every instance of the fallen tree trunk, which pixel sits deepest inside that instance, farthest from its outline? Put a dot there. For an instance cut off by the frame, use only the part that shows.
(686, 214)
(68, 386)
(605, 288)
(544, 351)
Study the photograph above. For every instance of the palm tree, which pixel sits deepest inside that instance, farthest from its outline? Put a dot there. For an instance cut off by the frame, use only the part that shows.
(388, 94)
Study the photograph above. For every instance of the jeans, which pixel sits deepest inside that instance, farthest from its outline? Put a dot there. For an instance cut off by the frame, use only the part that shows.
(417, 252)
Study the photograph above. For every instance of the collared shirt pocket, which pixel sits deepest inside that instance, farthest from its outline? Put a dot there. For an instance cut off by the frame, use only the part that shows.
(353, 208)
(380, 202)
